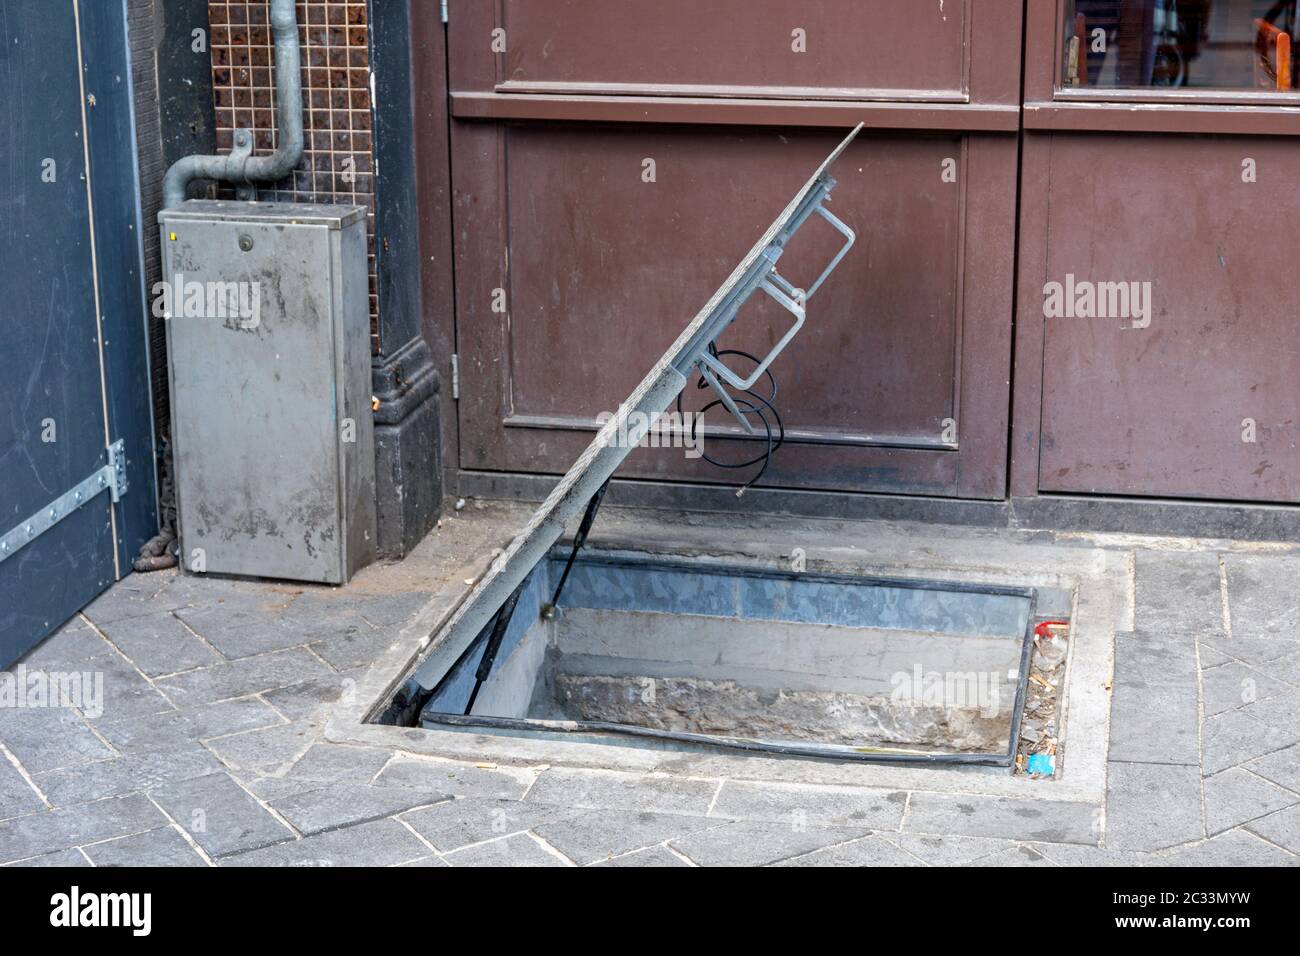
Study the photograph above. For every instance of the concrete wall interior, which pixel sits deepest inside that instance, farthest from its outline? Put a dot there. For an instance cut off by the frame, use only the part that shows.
(716, 652)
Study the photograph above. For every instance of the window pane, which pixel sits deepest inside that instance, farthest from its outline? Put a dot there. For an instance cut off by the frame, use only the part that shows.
(1206, 44)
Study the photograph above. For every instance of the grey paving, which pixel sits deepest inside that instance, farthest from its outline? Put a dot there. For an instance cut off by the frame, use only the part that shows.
(1052, 821)
(220, 815)
(330, 762)
(217, 693)
(16, 795)
(1281, 828)
(519, 850)
(162, 847)
(1234, 685)
(1154, 712)
(63, 859)
(126, 692)
(1281, 767)
(266, 749)
(823, 806)
(758, 842)
(868, 851)
(62, 829)
(588, 836)
(122, 775)
(654, 856)
(380, 843)
(1236, 737)
(1237, 796)
(158, 643)
(459, 823)
(609, 789)
(342, 804)
(180, 729)
(456, 779)
(934, 850)
(46, 738)
(240, 678)
(1152, 806)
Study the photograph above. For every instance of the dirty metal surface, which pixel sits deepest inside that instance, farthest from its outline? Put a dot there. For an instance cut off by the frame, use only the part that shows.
(272, 430)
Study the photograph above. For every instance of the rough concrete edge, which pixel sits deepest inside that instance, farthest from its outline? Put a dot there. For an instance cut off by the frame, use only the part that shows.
(1086, 709)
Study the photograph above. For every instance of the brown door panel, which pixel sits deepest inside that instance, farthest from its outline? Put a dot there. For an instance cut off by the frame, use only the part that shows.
(898, 382)
(885, 49)
(1166, 410)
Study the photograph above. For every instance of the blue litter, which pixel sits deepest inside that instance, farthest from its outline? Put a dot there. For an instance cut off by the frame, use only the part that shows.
(1044, 764)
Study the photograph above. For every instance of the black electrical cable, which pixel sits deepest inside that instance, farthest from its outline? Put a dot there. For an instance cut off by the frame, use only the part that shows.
(754, 405)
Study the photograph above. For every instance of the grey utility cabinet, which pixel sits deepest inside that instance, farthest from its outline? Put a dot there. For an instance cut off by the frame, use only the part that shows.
(268, 343)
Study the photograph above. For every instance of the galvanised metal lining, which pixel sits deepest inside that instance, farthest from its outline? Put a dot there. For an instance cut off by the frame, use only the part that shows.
(272, 428)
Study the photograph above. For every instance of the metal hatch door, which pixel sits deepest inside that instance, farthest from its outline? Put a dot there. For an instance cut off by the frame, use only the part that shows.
(612, 444)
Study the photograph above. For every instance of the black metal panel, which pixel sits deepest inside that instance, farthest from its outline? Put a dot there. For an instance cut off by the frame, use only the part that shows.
(119, 245)
(52, 424)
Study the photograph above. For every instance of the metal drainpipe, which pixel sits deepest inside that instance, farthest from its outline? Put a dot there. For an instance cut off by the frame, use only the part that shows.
(241, 166)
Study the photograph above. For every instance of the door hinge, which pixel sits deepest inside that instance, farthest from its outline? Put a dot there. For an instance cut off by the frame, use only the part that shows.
(455, 377)
(442, 9)
(111, 478)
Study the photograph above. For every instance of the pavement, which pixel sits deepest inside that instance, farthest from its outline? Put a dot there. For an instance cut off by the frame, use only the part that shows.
(208, 743)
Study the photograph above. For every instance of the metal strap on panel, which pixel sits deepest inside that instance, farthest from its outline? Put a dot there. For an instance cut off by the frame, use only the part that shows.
(111, 478)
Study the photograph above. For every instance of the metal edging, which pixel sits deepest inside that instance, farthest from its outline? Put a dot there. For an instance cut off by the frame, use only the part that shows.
(563, 728)
(110, 477)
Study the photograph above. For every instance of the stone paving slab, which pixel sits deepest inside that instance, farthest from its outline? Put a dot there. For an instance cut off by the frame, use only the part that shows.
(64, 859)
(379, 843)
(17, 796)
(1152, 806)
(266, 749)
(220, 815)
(52, 830)
(522, 849)
(823, 806)
(608, 789)
(162, 847)
(655, 856)
(123, 775)
(1237, 796)
(457, 779)
(459, 823)
(934, 850)
(1154, 715)
(868, 851)
(180, 729)
(589, 836)
(331, 762)
(242, 678)
(758, 842)
(159, 643)
(1031, 820)
(343, 804)
(48, 738)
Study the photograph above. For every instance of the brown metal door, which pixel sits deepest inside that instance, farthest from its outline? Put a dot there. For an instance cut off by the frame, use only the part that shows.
(613, 159)
(1171, 177)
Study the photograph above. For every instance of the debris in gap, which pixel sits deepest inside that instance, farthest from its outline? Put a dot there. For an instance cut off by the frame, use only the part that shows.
(1039, 726)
